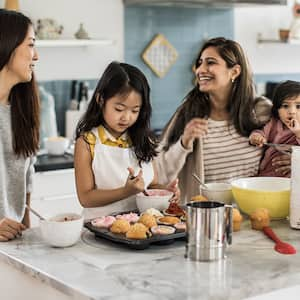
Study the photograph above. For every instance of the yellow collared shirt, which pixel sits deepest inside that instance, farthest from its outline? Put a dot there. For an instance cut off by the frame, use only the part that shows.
(106, 138)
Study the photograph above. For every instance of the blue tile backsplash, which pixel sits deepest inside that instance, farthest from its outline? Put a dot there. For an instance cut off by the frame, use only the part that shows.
(185, 29)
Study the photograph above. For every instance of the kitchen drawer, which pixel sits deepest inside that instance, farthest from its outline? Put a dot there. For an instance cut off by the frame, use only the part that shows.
(54, 184)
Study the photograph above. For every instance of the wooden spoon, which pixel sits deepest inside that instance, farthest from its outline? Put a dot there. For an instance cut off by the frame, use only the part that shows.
(280, 246)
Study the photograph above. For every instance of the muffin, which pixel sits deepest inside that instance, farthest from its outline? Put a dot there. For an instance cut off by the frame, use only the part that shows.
(260, 218)
(138, 231)
(120, 226)
(148, 220)
(162, 230)
(169, 220)
(199, 198)
(236, 219)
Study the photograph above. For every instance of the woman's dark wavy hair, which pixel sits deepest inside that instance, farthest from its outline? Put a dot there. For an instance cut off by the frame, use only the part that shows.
(241, 102)
(120, 79)
(23, 98)
(285, 90)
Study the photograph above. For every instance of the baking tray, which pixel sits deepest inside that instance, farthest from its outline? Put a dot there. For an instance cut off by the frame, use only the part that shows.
(131, 243)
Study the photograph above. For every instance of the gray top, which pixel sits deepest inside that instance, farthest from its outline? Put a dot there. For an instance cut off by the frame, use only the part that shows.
(15, 172)
(99, 269)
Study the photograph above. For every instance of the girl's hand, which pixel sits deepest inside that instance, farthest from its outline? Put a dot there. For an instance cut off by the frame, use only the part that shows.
(195, 128)
(294, 126)
(257, 139)
(135, 184)
(173, 187)
(282, 164)
(10, 229)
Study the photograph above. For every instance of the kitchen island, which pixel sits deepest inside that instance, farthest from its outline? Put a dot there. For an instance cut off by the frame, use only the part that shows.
(99, 269)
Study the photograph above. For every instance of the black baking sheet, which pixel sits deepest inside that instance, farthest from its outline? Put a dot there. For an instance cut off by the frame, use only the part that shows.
(131, 243)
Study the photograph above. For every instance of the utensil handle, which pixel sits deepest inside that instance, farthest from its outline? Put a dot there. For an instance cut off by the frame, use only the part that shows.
(144, 191)
(199, 180)
(270, 233)
(34, 212)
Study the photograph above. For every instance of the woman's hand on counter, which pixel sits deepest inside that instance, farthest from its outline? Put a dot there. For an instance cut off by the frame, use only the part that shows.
(10, 229)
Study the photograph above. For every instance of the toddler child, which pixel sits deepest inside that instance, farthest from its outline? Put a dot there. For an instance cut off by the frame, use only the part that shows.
(283, 128)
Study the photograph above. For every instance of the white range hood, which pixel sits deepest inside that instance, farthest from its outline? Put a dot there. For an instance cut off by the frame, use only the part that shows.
(205, 3)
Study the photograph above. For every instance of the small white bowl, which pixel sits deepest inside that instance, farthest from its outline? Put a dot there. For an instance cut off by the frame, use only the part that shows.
(157, 198)
(218, 191)
(63, 230)
(56, 145)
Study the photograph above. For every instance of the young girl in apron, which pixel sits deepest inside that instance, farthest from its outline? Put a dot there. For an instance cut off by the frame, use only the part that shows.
(114, 148)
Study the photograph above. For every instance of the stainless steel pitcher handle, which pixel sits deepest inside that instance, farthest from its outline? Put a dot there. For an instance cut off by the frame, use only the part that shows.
(229, 225)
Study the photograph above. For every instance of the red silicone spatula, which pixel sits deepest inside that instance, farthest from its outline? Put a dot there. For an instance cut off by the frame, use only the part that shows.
(280, 246)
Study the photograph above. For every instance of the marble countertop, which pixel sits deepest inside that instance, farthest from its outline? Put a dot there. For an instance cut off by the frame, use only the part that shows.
(99, 269)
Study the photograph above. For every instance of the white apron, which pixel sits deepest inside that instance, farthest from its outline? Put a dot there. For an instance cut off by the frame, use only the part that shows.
(110, 171)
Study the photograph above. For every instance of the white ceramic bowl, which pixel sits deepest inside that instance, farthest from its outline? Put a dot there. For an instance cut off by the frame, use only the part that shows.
(218, 191)
(56, 145)
(62, 230)
(157, 198)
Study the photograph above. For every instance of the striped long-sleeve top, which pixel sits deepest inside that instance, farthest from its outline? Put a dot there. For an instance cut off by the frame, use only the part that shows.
(228, 155)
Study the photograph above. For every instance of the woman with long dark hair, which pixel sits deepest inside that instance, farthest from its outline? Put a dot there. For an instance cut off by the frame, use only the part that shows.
(208, 134)
(19, 120)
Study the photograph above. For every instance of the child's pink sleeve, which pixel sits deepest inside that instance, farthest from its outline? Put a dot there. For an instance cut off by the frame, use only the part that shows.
(265, 131)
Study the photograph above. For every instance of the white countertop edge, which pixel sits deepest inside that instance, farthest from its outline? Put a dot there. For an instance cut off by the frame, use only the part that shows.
(290, 293)
(42, 276)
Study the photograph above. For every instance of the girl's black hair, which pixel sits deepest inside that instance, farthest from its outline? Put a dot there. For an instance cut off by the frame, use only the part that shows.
(23, 97)
(121, 79)
(284, 90)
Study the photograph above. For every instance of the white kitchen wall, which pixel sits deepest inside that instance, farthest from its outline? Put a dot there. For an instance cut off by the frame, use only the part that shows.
(267, 58)
(103, 19)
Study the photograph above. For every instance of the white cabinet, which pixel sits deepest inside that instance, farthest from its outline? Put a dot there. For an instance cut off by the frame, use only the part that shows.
(54, 192)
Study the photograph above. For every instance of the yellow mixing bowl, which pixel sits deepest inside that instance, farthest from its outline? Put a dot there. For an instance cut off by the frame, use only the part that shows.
(272, 193)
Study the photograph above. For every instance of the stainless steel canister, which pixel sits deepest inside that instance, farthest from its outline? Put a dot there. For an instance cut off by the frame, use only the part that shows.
(209, 230)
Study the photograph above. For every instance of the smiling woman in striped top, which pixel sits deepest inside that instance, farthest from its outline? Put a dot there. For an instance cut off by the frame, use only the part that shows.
(208, 133)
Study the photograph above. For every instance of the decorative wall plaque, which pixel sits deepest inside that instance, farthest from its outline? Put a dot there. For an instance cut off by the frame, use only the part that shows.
(160, 55)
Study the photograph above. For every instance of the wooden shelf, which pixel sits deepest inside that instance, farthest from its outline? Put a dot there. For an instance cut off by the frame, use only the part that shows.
(72, 43)
(261, 40)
